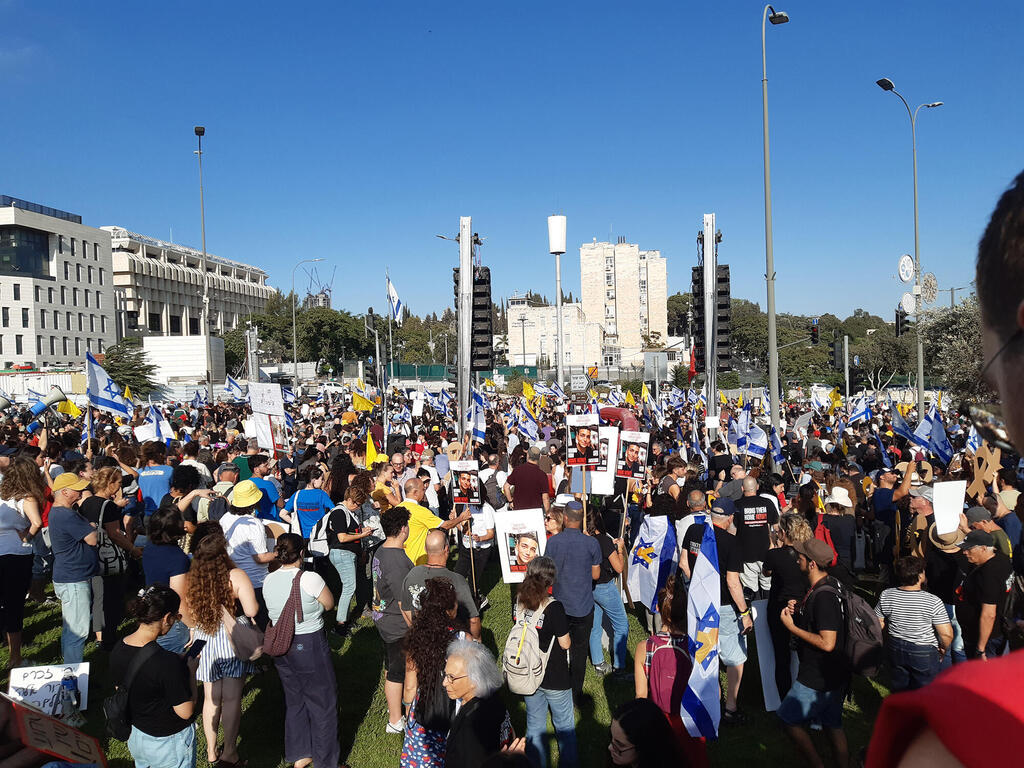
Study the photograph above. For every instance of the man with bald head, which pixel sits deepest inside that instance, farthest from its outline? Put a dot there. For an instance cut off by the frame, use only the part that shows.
(422, 521)
(755, 517)
(436, 546)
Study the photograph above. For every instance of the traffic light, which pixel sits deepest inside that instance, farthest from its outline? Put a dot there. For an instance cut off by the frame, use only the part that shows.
(723, 309)
(482, 334)
(835, 355)
(901, 322)
(370, 373)
(814, 332)
(697, 291)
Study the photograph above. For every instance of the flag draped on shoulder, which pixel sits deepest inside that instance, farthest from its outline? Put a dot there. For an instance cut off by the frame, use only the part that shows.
(395, 303)
(651, 561)
(103, 392)
(701, 705)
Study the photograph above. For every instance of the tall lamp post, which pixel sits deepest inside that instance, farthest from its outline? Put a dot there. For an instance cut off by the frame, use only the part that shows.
(200, 131)
(295, 333)
(775, 17)
(887, 85)
(556, 247)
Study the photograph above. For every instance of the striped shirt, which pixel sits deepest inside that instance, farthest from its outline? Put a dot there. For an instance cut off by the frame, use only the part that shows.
(911, 614)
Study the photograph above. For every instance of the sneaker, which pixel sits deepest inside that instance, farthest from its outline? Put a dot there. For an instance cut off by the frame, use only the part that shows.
(398, 727)
(623, 675)
(484, 603)
(603, 668)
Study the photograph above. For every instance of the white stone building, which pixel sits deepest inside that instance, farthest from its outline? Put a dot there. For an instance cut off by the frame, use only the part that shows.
(533, 335)
(55, 287)
(626, 290)
(160, 287)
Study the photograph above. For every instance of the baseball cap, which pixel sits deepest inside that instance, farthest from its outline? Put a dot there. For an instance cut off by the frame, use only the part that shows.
(533, 453)
(923, 491)
(978, 539)
(8, 450)
(816, 550)
(70, 480)
(978, 514)
(724, 505)
(246, 494)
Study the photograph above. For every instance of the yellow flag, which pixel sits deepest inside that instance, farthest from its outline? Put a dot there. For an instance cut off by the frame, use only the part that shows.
(127, 395)
(739, 401)
(722, 398)
(371, 450)
(70, 409)
(645, 393)
(360, 403)
(528, 392)
(630, 400)
(593, 393)
(489, 383)
(835, 399)
(543, 401)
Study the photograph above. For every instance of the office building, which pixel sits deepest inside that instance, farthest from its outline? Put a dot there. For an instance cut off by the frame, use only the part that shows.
(533, 335)
(626, 290)
(55, 287)
(160, 287)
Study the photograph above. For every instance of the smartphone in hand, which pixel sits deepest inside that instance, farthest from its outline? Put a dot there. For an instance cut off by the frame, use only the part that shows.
(193, 651)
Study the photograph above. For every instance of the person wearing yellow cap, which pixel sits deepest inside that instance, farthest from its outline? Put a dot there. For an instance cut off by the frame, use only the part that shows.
(75, 561)
(247, 540)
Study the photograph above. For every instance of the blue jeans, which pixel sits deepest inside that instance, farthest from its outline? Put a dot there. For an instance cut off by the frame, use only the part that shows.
(607, 601)
(803, 704)
(560, 703)
(176, 638)
(956, 652)
(177, 751)
(911, 665)
(344, 563)
(76, 612)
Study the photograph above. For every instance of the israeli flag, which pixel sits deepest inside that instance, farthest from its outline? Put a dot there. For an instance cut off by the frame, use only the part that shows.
(197, 400)
(476, 421)
(557, 391)
(695, 436)
(819, 402)
(234, 389)
(861, 410)
(651, 561)
(692, 397)
(757, 442)
(883, 453)
(778, 458)
(594, 407)
(615, 398)
(939, 443)
(923, 433)
(103, 393)
(973, 440)
(287, 395)
(900, 426)
(742, 430)
(289, 422)
(161, 426)
(33, 396)
(701, 706)
(527, 422)
(396, 303)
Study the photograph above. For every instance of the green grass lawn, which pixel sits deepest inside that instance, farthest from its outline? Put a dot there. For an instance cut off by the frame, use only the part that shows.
(362, 714)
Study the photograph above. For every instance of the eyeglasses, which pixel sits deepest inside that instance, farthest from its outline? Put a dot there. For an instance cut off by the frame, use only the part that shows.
(449, 679)
(988, 418)
(619, 750)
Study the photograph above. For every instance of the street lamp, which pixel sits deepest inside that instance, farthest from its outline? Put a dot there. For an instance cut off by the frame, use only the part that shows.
(887, 85)
(556, 247)
(775, 17)
(200, 131)
(295, 334)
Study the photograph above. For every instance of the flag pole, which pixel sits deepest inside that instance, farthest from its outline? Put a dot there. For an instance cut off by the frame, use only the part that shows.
(391, 343)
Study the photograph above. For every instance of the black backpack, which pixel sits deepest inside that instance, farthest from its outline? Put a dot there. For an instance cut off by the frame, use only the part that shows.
(862, 640)
(115, 707)
(494, 494)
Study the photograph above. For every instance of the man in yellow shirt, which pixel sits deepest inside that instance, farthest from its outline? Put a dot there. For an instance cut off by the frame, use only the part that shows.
(422, 521)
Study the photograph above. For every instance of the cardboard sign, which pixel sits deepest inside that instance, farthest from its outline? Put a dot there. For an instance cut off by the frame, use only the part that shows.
(49, 735)
(602, 477)
(519, 537)
(266, 398)
(40, 686)
(948, 504)
(632, 456)
(417, 408)
(581, 441)
(465, 482)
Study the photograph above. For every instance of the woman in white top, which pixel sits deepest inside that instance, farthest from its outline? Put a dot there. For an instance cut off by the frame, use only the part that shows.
(306, 670)
(22, 494)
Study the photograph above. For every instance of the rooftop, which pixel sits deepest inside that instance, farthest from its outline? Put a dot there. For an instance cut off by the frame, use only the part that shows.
(126, 234)
(6, 201)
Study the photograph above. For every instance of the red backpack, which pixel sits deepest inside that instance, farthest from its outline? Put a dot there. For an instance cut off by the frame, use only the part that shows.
(822, 534)
(668, 667)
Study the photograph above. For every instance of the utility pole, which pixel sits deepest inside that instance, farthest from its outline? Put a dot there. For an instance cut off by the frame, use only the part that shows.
(465, 315)
(846, 364)
(710, 260)
(200, 131)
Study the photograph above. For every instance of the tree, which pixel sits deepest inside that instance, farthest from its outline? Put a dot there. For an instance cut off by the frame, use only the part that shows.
(678, 306)
(882, 356)
(728, 380)
(953, 350)
(749, 334)
(128, 365)
(652, 340)
(234, 349)
(681, 375)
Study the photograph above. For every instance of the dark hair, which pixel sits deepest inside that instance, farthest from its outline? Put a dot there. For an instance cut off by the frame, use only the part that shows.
(540, 575)
(650, 733)
(1008, 475)
(672, 605)
(423, 473)
(154, 451)
(393, 520)
(907, 569)
(337, 481)
(289, 548)
(154, 603)
(166, 526)
(674, 462)
(426, 644)
(257, 460)
(1000, 266)
(185, 479)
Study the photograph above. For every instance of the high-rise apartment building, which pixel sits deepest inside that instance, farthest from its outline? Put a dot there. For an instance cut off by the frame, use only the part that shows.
(626, 290)
(533, 335)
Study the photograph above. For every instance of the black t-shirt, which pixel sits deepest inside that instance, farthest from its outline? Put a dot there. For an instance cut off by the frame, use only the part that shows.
(754, 516)
(90, 509)
(554, 624)
(788, 581)
(719, 463)
(843, 529)
(160, 684)
(342, 521)
(169, 502)
(943, 572)
(987, 583)
(607, 549)
(822, 610)
(729, 557)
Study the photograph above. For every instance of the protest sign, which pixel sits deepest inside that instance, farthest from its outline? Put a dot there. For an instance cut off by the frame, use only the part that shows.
(26, 735)
(41, 686)
(266, 398)
(581, 432)
(948, 504)
(632, 461)
(465, 482)
(520, 537)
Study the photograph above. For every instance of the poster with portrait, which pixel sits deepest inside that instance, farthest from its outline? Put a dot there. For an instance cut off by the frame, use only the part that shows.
(465, 482)
(607, 448)
(632, 454)
(520, 537)
(581, 440)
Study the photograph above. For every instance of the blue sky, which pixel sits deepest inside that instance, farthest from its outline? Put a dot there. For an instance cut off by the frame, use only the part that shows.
(355, 132)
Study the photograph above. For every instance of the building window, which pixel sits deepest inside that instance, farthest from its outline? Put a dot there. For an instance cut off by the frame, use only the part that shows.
(101, 275)
(24, 317)
(74, 297)
(24, 252)
(60, 243)
(6, 317)
(53, 345)
(78, 273)
(55, 316)
(63, 295)
(89, 279)
(86, 297)
(49, 295)
(92, 323)
(99, 300)
(39, 345)
(72, 246)
(42, 318)
(17, 291)
(39, 294)
(88, 344)
(609, 279)
(154, 322)
(193, 326)
(18, 345)
(81, 322)
(65, 345)
(67, 271)
(103, 325)
(175, 328)
(96, 256)
(99, 346)
(78, 346)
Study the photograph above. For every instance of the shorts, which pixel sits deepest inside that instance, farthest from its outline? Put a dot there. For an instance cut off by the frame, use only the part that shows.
(395, 658)
(803, 704)
(732, 646)
(752, 577)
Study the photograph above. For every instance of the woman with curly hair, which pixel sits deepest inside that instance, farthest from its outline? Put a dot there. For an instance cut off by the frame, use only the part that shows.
(337, 481)
(22, 496)
(215, 584)
(426, 644)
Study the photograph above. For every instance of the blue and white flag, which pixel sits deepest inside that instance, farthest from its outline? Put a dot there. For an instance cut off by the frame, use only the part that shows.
(757, 442)
(594, 407)
(778, 457)
(695, 440)
(234, 389)
(973, 440)
(557, 391)
(162, 428)
(287, 395)
(923, 433)
(103, 393)
(527, 422)
(652, 561)
(395, 303)
(900, 426)
(701, 706)
(743, 424)
(884, 454)
(861, 410)
(939, 443)
(692, 397)
(476, 421)
(289, 421)
(32, 395)
(819, 401)
(615, 398)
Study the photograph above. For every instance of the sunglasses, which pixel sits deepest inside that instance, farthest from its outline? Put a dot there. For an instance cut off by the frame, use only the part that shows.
(988, 418)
